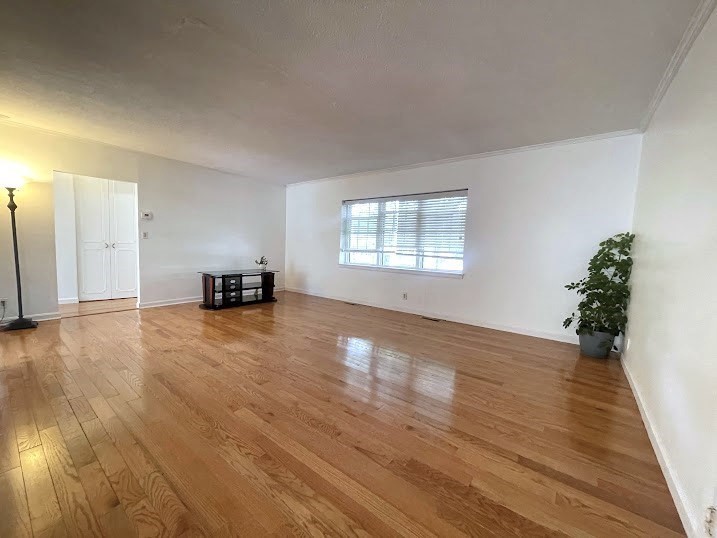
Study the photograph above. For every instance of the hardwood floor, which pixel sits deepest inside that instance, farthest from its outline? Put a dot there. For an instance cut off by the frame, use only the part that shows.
(311, 417)
(97, 307)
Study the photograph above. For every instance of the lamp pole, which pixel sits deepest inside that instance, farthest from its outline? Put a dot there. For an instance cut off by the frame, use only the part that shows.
(21, 322)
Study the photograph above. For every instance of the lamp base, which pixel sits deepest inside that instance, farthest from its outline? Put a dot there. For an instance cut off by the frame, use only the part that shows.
(20, 323)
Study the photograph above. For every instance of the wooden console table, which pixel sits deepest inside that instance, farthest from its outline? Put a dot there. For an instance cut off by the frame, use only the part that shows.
(237, 287)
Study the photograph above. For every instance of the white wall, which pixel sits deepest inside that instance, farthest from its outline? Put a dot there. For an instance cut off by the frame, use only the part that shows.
(672, 335)
(65, 238)
(534, 220)
(203, 219)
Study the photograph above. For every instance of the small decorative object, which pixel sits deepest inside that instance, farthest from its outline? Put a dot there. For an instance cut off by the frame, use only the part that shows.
(262, 263)
(605, 292)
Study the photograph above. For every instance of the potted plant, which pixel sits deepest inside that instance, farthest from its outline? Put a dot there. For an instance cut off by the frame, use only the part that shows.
(605, 292)
(262, 263)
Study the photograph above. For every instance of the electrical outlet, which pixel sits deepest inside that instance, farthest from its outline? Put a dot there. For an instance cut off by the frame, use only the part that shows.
(3, 302)
(405, 296)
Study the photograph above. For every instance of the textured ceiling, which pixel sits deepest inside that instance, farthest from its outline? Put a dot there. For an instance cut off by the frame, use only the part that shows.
(293, 90)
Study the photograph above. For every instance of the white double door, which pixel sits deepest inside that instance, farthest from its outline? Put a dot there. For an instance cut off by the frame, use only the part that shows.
(106, 213)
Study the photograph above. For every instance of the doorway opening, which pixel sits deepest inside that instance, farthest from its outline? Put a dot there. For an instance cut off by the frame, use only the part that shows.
(96, 244)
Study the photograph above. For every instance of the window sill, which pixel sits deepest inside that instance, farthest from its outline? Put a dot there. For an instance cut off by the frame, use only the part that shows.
(439, 274)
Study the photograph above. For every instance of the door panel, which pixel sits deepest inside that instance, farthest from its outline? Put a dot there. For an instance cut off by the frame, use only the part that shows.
(92, 207)
(95, 284)
(125, 280)
(123, 237)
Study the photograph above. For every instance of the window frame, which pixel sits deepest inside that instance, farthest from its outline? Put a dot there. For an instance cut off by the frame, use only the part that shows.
(379, 235)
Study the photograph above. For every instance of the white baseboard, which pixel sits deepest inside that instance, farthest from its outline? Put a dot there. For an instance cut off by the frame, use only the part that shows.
(687, 515)
(168, 302)
(181, 300)
(47, 316)
(70, 300)
(150, 304)
(457, 319)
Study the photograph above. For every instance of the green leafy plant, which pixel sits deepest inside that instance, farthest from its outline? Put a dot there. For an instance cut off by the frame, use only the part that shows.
(605, 292)
(262, 261)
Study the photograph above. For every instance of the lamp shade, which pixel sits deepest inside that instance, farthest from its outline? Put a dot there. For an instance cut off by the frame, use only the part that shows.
(12, 175)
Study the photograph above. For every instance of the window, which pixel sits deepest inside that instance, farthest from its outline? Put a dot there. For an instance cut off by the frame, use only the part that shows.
(424, 232)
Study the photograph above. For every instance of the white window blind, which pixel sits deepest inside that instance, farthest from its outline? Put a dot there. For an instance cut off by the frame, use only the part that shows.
(421, 231)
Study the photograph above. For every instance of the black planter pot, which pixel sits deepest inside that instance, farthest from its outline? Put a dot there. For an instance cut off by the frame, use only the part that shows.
(596, 344)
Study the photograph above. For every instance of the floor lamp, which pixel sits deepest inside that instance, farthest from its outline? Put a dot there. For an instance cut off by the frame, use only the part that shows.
(11, 184)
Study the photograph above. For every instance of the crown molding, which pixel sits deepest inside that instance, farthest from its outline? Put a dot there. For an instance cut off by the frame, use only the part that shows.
(697, 22)
(578, 140)
(508, 151)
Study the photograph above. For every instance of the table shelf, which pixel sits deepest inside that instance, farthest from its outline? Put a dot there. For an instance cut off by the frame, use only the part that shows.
(227, 289)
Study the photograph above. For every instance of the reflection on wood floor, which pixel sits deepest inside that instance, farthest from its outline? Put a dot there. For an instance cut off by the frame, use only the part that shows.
(97, 307)
(315, 417)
